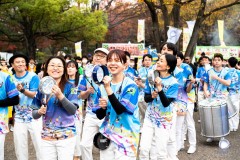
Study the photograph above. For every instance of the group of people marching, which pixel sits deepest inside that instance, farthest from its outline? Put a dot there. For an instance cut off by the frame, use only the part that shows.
(145, 113)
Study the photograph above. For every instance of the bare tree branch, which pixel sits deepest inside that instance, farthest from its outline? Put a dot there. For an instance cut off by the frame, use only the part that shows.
(220, 8)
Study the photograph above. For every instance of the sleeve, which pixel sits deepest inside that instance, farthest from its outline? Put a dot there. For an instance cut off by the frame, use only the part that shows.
(83, 84)
(11, 89)
(129, 97)
(198, 73)
(71, 95)
(206, 77)
(147, 88)
(34, 83)
(172, 92)
(165, 101)
(37, 101)
(227, 76)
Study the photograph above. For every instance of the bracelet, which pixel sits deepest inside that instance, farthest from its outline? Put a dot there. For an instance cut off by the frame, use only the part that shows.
(22, 90)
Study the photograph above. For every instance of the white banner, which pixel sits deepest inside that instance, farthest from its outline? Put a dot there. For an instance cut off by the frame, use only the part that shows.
(220, 32)
(141, 30)
(173, 34)
(191, 25)
(78, 48)
(186, 38)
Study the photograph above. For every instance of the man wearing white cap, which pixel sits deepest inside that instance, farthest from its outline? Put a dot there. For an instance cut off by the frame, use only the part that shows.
(88, 91)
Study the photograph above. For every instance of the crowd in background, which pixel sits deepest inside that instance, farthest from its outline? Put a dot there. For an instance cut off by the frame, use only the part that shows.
(155, 101)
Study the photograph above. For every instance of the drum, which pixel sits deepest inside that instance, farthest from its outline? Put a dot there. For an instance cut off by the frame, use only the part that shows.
(214, 118)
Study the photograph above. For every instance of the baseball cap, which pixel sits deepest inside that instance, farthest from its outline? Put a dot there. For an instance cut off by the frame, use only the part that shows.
(104, 50)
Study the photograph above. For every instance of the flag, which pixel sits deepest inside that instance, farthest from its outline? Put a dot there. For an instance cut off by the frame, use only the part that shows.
(78, 48)
(141, 30)
(220, 32)
(186, 38)
(191, 26)
(173, 34)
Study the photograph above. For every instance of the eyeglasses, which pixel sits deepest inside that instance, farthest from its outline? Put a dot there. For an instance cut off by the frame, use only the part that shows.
(53, 66)
(99, 56)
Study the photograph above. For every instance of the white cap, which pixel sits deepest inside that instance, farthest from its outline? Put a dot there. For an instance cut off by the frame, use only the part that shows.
(104, 50)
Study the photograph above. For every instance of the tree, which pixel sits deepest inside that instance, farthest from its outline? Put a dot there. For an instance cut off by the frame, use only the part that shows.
(27, 21)
(171, 15)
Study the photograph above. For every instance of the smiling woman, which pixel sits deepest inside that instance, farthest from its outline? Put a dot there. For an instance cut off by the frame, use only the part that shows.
(58, 121)
(120, 110)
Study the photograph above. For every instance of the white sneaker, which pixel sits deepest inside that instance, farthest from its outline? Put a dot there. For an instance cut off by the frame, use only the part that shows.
(191, 150)
(209, 140)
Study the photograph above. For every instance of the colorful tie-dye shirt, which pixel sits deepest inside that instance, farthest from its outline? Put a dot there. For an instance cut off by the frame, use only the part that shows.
(143, 74)
(131, 73)
(57, 122)
(92, 100)
(216, 88)
(77, 91)
(187, 75)
(158, 114)
(123, 129)
(7, 90)
(233, 88)
(200, 72)
(30, 81)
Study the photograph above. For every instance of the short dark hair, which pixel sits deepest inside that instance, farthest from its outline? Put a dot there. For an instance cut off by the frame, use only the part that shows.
(218, 55)
(119, 53)
(232, 61)
(67, 56)
(171, 62)
(171, 46)
(127, 54)
(78, 58)
(147, 55)
(180, 55)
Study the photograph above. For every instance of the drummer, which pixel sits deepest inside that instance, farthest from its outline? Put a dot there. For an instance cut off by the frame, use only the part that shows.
(233, 93)
(91, 122)
(216, 81)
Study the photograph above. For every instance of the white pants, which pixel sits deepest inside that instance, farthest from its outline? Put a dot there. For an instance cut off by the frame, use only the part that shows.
(58, 150)
(190, 124)
(20, 135)
(234, 121)
(162, 138)
(200, 95)
(90, 128)
(78, 124)
(180, 132)
(112, 153)
(2, 140)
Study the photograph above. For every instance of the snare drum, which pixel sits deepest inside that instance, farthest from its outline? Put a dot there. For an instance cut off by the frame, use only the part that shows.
(214, 118)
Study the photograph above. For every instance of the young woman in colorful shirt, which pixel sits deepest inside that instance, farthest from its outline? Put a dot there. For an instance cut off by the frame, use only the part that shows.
(119, 110)
(59, 131)
(159, 114)
(74, 78)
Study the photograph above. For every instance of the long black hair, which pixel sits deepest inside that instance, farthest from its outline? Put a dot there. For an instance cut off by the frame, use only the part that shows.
(64, 79)
(77, 75)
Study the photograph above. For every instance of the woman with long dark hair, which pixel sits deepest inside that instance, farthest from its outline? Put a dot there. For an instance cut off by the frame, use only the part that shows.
(58, 110)
(73, 77)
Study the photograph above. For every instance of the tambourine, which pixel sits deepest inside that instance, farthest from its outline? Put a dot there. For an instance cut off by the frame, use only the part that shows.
(46, 85)
(99, 72)
(100, 141)
(88, 70)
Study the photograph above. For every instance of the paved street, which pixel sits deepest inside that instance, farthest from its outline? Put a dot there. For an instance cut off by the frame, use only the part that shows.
(204, 151)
